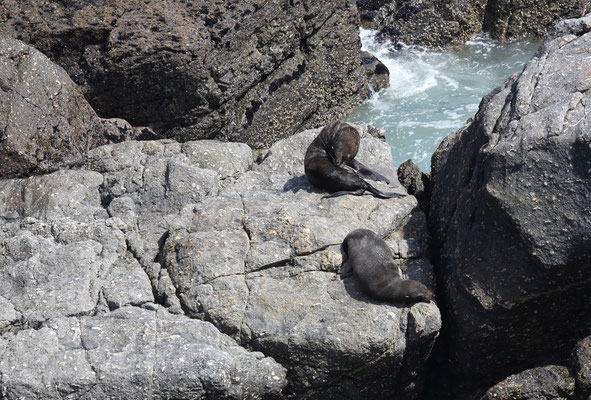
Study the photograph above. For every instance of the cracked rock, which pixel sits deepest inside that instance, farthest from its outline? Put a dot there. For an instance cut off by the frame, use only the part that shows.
(252, 249)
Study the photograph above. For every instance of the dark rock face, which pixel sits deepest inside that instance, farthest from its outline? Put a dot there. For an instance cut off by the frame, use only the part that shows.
(204, 69)
(415, 182)
(443, 23)
(378, 75)
(45, 122)
(550, 382)
(581, 361)
(511, 216)
(435, 23)
(509, 19)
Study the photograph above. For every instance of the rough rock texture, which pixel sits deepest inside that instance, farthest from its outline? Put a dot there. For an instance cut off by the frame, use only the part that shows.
(250, 71)
(443, 23)
(417, 183)
(45, 122)
(434, 23)
(511, 216)
(510, 19)
(550, 382)
(255, 250)
(71, 325)
(133, 353)
(581, 367)
(201, 230)
(378, 75)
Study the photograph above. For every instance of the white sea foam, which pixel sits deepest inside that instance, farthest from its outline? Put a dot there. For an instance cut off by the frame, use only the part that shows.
(433, 93)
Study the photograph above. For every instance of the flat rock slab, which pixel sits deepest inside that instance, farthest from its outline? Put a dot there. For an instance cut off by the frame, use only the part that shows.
(133, 353)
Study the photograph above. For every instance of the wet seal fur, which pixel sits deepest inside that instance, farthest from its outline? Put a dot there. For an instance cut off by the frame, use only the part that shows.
(373, 266)
(330, 163)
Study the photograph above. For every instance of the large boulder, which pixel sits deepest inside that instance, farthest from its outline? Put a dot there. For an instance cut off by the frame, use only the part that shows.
(572, 381)
(581, 367)
(250, 71)
(45, 122)
(443, 23)
(511, 216)
(128, 263)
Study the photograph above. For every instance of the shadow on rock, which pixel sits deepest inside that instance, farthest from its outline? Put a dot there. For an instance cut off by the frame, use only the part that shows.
(298, 183)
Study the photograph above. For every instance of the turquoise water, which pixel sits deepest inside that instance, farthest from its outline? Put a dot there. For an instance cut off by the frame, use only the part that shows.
(433, 93)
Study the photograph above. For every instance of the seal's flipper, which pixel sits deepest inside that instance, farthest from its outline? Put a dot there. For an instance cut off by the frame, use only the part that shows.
(357, 192)
(367, 173)
(383, 195)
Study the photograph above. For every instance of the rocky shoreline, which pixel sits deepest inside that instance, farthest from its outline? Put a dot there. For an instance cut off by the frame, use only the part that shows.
(143, 259)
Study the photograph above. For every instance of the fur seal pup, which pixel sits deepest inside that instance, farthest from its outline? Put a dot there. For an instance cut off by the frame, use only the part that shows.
(373, 267)
(330, 158)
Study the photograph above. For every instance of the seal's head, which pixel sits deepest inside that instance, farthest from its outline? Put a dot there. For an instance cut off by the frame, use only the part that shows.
(416, 291)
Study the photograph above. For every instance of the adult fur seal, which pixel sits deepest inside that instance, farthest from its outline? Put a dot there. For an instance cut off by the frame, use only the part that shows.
(373, 267)
(328, 157)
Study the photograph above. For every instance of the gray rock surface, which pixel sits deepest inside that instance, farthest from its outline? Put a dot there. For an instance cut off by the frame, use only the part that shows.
(250, 71)
(70, 321)
(133, 353)
(511, 215)
(550, 382)
(202, 230)
(45, 122)
(444, 23)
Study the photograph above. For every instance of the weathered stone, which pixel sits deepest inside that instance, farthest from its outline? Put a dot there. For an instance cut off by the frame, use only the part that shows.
(270, 233)
(8, 314)
(435, 23)
(512, 218)
(413, 179)
(510, 20)
(250, 71)
(127, 284)
(443, 23)
(43, 279)
(136, 354)
(197, 227)
(45, 122)
(73, 194)
(550, 382)
(118, 130)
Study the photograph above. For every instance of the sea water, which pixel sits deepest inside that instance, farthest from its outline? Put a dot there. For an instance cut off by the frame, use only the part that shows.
(433, 93)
